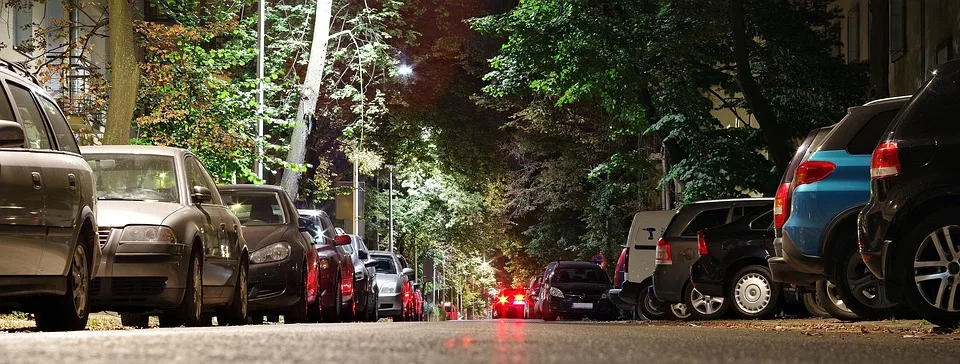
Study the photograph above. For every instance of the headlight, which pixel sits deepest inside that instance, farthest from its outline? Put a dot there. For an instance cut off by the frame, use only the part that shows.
(271, 253)
(324, 264)
(147, 234)
(605, 295)
(556, 292)
(390, 288)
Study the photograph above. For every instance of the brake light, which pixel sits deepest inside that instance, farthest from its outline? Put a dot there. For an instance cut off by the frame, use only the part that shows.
(702, 243)
(812, 171)
(885, 161)
(503, 299)
(518, 297)
(781, 205)
(663, 252)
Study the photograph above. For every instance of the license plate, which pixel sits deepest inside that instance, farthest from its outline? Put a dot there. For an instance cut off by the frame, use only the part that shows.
(588, 306)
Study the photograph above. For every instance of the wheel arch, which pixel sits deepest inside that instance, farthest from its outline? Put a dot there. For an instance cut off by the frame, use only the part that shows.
(834, 237)
(739, 264)
(908, 219)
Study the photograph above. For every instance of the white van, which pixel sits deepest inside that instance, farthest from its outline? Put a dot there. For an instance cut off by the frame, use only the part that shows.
(645, 230)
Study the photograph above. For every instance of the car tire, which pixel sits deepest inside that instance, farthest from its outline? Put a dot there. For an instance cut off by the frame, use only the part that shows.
(753, 293)
(139, 320)
(831, 302)
(703, 307)
(70, 311)
(190, 311)
(862, 292)
(922, 243)
(236, 313)
(650, 309)
(300, 312)
(548, 316)
(812, 303)
(332, 313)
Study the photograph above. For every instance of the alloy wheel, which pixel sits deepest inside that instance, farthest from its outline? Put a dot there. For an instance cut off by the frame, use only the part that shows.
(936, 269)
(680, 311)
(752, 293)
(834, 297)
(705, 304)
(78, 271)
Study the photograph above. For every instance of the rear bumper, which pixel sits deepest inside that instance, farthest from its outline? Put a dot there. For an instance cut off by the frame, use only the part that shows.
(618, 302)
(630, 292)
(791, 266)
(274, 286)
(668, 284)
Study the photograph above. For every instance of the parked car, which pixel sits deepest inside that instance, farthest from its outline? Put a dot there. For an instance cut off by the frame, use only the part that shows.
(619, 277)
(538, 307)
(408, 299)
(335, 266)
(170, 246)
(451, 311)
(392, 279)
(532, 295)
(48, 207)
(819, 233)
(364, 278)
(418, 303)
(283, 264)
(577, 289)
(906, 229)
(645, 231)
(733, 265)
(677, 250)
(509, 303)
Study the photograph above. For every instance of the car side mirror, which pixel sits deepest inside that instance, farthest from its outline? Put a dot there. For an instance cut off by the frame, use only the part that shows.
(201, 194)
(342, 240)
(408, 272)
(11, 134)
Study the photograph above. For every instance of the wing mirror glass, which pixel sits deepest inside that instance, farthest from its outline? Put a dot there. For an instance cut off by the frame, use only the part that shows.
(11, 134)
(201, 194)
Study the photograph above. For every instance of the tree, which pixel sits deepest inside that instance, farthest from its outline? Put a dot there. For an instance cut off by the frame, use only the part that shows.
(125, 73)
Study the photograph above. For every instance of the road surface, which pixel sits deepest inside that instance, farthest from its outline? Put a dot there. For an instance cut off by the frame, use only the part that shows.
(500, 341)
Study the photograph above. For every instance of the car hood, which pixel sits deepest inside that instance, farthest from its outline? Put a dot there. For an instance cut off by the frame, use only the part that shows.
(122, 213)
(587, 288)
(260, 236)
(387, 279)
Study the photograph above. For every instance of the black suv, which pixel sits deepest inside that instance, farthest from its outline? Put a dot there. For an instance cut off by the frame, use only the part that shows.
(906, 230)
(677, 250)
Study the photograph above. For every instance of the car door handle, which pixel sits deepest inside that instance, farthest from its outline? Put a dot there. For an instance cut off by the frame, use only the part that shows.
(37, 181)
(72, 180)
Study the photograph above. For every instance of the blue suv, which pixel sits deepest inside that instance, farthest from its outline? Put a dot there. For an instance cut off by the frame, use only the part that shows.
(817, 238)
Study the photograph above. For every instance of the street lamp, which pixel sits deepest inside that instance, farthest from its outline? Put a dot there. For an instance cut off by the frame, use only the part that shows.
(405, 70)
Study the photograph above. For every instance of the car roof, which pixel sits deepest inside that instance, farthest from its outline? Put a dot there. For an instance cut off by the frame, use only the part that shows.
(133, 149)
(250, 187)
(576, 264)
(856, 119)
(730, 201)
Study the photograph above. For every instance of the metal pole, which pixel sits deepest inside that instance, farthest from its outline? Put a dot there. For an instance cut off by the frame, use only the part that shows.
(356, 197)
(390, 204)
(262, 45)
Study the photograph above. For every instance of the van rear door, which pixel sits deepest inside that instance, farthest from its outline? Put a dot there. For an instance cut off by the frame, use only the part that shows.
(642, 239)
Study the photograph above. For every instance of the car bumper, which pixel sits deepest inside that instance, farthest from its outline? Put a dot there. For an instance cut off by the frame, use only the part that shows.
(630, 292)
(619, 302)
(565, 306)
(274, 285)
(668, 283)
(135, 275)
(390, 304)
(791, 266)
(706, 280)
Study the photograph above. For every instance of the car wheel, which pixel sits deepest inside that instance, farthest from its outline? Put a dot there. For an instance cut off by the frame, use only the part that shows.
(755, 295)
(648, 308)
(300, 312)
(70, 311)
(929, 268)
(831, 302)
(679, 311)
(236, 313)
(862, 292)
(135, 320)
(548, 315)
(812, 303)
(190, 311)
(704, 307)
(332, 313)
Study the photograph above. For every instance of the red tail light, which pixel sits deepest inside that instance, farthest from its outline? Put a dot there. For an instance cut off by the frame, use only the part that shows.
(781, 205)
(663, 252)
(503, 299)
(702, 243)
(518, 297)
(885, 161)
(812, 171)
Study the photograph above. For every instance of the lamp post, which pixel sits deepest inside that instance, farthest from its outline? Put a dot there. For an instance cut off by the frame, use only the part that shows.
(262, 45)
(390, 208)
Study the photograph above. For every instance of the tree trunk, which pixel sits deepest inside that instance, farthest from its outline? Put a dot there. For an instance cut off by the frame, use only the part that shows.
(766, 117)
(308, 97)
(880, 50)
(124, 73)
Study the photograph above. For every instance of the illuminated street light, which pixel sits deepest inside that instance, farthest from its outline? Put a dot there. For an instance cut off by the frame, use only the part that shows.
(405, 70)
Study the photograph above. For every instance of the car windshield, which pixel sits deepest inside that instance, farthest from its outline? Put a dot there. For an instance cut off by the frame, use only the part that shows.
(132, 177)
(255, 208)
(580, 275)
(385, 264)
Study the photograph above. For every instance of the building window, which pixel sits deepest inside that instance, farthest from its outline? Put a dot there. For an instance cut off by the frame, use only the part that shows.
(898, 29)
(853, 34)
(945, 51)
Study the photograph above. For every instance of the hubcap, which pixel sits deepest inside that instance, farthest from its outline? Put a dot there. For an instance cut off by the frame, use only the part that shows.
(704, 304)
(680, 310)
(78, 271)
(752, 293)
(936, 269)
(834, 297)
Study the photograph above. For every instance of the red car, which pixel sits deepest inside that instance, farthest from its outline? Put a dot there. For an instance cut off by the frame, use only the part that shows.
(409, 297)
(336, 270)
(510, 303)
(452, 313)
(417, 303)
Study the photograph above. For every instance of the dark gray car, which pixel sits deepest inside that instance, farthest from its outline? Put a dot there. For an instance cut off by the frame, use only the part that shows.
(48, 223)
(170, 245)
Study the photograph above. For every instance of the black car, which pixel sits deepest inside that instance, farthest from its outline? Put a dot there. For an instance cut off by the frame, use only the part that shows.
(906, 228)
(575, 290)
(733, 265)
(677, 250)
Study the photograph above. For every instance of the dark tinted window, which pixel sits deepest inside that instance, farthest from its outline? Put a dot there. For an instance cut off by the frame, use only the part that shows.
(61, 130)
(34, 128)
(580, 275)
(764, 222)
(868, 137)
(6, 112)
(705, 220)
(741, 211)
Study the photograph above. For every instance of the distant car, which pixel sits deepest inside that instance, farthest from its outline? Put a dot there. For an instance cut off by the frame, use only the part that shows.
(451, 312)
(819, 235)
(335, 266)
(283, 263)
(47, 208)
(906, 229)
(364, 278)
(619, 278)
(170, 245)
(392, 279)
(677, 250)
(509, 303)
(532, 295)
(409, 301)
(575, 290)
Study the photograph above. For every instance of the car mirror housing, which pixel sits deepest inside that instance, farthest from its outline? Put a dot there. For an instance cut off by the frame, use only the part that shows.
(408, 272)
(11, 134)
(342, 240)
(201, 194)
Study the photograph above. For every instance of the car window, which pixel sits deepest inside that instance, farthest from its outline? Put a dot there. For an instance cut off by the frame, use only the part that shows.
(197, 176)
(36, 133)
(763, 222)
(741, 211)
(61, 130)
(868, 137)
(580, 275)
(705, 220)
(255, 208)
(132, 177)
(385, 264)
(6, 111)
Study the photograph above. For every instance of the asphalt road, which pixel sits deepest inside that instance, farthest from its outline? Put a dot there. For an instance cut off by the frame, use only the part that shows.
(502, 341)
